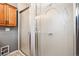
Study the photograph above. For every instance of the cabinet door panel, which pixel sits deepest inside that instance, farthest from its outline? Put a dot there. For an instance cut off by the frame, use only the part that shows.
(1, 14)
(5, 14)
(12, 16)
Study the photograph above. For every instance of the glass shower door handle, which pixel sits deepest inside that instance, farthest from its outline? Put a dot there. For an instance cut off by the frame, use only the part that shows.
(50, 34)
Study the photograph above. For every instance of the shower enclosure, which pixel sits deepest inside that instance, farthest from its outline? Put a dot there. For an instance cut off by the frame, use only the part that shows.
(54, 29)
(47, 29)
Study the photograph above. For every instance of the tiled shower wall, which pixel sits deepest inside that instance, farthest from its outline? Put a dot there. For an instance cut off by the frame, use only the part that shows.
(9, 37)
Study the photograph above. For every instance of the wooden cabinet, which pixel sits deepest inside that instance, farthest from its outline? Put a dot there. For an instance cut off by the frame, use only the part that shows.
(7, 15)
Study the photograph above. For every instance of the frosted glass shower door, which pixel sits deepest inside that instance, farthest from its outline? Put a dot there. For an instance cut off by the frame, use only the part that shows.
(25, 32)
(55, 29)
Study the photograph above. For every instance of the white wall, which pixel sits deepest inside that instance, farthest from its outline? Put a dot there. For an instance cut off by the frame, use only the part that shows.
(21, 6)
(13, 4)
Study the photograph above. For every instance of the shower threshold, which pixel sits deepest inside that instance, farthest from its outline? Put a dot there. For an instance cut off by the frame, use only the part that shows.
(16, 53)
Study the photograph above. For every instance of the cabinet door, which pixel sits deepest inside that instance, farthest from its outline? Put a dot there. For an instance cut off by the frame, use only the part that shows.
(12, 16)
(6, 15)
(1, 14)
